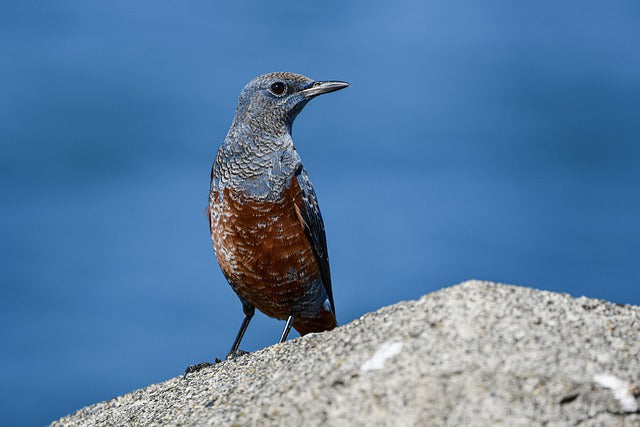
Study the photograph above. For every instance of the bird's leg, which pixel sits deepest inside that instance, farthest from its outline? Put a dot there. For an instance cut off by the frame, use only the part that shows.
(287, 328)
(249, 311)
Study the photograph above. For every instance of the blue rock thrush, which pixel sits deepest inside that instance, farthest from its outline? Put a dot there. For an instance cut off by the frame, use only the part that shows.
(265, 223)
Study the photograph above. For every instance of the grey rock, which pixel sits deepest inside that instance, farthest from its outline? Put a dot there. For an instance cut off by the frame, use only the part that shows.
(478, 353)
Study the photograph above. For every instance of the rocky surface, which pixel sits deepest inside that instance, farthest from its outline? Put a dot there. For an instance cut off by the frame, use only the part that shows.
(478, 353)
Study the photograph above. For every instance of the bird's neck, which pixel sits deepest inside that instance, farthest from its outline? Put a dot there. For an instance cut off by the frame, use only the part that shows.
(259, 137)
(256, 161)
(253, 148)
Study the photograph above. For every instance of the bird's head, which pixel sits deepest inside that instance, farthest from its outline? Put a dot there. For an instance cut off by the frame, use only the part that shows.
(272, 101)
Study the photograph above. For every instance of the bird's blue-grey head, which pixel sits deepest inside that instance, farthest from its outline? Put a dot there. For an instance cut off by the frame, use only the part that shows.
(258, 157)
(270, 103)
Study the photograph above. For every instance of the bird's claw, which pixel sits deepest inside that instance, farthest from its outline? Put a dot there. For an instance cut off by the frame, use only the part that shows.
(195, 368)
(235, 354)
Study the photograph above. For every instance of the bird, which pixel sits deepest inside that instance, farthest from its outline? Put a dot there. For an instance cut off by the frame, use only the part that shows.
(264, 219)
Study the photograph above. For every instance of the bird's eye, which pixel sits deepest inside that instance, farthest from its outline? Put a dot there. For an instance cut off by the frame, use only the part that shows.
(278, 88)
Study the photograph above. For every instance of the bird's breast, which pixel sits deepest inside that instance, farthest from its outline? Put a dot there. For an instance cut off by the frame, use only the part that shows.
(262, 248)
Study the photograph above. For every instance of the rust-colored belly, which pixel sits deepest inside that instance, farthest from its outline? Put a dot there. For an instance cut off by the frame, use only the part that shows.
(263, 250)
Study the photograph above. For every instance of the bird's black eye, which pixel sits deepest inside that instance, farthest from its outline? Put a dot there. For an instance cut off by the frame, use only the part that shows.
(278, 88)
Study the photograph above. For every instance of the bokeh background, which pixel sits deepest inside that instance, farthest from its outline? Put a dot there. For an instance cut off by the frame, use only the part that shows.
(490, 140)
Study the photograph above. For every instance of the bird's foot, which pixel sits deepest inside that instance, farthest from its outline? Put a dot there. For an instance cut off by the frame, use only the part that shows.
(236, 354)
(195, 368)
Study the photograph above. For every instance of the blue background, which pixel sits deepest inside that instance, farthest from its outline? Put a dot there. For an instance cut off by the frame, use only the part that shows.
(490, 140)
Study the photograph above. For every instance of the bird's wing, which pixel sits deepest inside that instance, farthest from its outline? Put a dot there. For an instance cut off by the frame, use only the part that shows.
(314, 228)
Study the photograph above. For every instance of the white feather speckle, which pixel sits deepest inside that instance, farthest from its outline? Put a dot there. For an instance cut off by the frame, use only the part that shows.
(621, 390)
(386, 351)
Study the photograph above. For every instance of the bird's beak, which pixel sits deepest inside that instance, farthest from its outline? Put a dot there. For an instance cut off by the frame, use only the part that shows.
(318, 88)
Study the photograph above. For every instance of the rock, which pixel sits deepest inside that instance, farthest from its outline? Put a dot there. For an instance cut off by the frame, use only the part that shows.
(478, 353)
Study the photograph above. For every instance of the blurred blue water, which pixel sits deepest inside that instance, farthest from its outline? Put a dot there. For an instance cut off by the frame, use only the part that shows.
(496, 141)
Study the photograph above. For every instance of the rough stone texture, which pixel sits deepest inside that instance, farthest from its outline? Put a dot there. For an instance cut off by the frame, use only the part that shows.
(478, 353)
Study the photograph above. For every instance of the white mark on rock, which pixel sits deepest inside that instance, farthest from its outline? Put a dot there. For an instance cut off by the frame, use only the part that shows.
(384, 353)
(621, 390)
